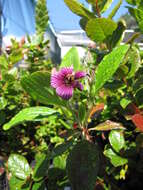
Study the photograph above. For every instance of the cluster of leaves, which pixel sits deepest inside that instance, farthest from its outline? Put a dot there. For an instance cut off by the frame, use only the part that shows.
(92, 141)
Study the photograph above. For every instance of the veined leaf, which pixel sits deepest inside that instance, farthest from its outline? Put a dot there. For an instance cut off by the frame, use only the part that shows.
(109, 65)
(116, 139)
(99, 29)
(29, 114)
(19, 166)
(38, 86)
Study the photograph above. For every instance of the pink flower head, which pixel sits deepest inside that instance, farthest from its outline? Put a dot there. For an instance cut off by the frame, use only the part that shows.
(65, 81)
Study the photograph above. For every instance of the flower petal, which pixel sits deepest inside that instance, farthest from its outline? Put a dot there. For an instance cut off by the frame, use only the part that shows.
(65, 71)
(78, 85)
(80, 74)
(56, 80)
(65, 92)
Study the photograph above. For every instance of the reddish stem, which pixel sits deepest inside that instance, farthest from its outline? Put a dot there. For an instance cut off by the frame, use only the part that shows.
(97, 9)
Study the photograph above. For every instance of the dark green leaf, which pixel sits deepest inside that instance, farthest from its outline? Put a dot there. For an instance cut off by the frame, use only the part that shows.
(41, 166)
(83, 165)
(134, 2)
(19, 166)
(139, 96)
(138, 83)
(29, 114)
(138, 15)
(60, 149)
(117, 35)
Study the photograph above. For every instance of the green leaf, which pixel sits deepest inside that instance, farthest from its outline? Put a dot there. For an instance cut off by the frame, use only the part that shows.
(29, 114)
(15, 183)
(60, 162)
(115, 9)
(71, 59)
(134, 2)
(107, 126)
(60, 149)
(82, 165)
(39, 186)
(105, 4)
(117, 35)
(116, 139)
(78, 8)
(138, 84)
(109, 65)
(3, 102)
(41, 16)
(19, 166)
(41, 167)
(38, 86)
(134, 60)
(83, 23)
(115, 159)
(99, 29)
(125, 102)
(82, 112)
(139, 96)
(138, 15)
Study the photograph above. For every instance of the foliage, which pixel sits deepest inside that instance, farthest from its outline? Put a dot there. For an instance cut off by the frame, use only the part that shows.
(92, 140)
(41, 16)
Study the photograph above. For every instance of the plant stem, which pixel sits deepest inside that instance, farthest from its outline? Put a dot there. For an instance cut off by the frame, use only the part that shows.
(97, 9)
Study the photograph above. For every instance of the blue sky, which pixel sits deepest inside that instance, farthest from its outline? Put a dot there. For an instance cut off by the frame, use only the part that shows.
(62, 18)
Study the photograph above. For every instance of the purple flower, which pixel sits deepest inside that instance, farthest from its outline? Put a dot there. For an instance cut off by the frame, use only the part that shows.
(65, 81)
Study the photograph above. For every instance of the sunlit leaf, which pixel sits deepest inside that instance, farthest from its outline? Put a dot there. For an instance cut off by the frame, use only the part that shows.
(29, 114)
(19, 166)
(116, 139)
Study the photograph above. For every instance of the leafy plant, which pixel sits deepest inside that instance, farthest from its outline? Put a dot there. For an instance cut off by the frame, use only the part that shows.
(81, 121)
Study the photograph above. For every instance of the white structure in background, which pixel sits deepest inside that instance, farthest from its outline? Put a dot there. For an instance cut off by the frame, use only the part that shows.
(70, 38)
(78, 38)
